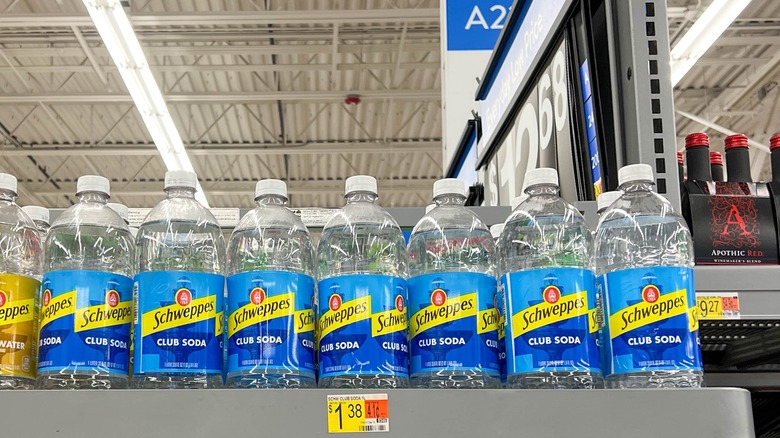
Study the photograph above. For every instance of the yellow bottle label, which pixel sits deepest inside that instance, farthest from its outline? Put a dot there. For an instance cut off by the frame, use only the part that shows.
(18, 330)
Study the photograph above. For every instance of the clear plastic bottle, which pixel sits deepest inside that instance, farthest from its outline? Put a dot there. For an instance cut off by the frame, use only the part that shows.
(362, 272)
(20, 281)
(39, 215)
(547, 276)
(644, 257)
(179, 322)
(124, 213)
(606, 199)
(87, 295)
(452, 296)
(270, 286)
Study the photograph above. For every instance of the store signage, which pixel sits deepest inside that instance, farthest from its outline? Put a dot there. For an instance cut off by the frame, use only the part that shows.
(537, 24)
(717, 306)
(475, 24)
(590, 123)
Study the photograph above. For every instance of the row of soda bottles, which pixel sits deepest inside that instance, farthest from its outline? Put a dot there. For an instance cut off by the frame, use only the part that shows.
(543, 307)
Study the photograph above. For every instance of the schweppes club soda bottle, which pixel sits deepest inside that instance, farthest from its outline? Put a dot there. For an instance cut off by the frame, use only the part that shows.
(179, 291)
(87, 295)
(644, 258)
(551, 330)
(362, 321)
(20, 281)
(453, 312)
(270, 284)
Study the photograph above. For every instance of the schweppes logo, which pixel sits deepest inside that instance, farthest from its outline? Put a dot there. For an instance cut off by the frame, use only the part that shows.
(183, 311)
(653, 308)
(15, 311)
(487, 320)
(442, 310)
(57, 307)
(554, 308)
(340, 314)
(261, 308)
(390, 321)
(304, 321)
(112, 312)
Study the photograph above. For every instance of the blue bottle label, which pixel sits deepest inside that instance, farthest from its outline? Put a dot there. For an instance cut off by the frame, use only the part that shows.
(553, 324)
(85, 321)
(363, 325)
(501, 307)
(453, 322)
(652, 322)
(179, 323)
(270, 321)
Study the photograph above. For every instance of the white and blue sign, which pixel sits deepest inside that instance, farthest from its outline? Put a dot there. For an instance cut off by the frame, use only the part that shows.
(475, 24)
(590, 123)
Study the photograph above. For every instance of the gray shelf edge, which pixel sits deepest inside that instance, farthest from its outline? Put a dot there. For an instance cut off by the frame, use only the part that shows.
(722, 412)
(758, 287)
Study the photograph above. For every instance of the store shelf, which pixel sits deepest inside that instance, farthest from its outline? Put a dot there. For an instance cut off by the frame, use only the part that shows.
(758, 287)
(424, 413)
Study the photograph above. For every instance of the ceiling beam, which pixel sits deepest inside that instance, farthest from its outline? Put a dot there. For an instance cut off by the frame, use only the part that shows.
(275, 18)
(72, 68)
(225, 188)
(314, 148)
(208, 98)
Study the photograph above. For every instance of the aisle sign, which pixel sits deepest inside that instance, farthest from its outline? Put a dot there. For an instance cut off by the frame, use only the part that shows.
(358, 413)
(475, 24)
(715, 306)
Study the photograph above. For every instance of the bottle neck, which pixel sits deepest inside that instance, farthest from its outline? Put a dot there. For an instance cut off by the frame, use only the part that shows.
(98, 197)
(717, 172)
(738, 165)
(180, 192)
(7, 195)
(543, 189)
(355, 197)
(271, 200)
(698, 159)
(637, 186)
(450, 199)
(776, 165)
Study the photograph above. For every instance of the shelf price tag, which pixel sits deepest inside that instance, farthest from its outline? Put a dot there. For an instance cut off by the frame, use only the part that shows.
(358, 413)
(718, 306)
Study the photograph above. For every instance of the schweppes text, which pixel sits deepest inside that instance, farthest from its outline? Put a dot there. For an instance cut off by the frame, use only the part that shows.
(644, 313)
(59, 306)
(168, 315)
(14, 312)
(104, 316)
(349, 312)
(261, 311)
(454, 308)
(659, 309)
(562, 309)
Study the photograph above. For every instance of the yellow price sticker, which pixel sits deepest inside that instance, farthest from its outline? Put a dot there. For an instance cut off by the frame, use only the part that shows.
(358, 413)
(720, 306)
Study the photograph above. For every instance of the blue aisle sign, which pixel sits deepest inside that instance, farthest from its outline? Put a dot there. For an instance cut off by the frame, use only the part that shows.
(475, 24)
(590, 121)
(537, 21)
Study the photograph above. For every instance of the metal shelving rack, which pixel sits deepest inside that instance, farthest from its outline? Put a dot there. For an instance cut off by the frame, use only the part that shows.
(423, 413)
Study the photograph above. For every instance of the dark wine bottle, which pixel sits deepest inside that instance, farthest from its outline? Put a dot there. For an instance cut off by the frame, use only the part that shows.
(774, 148)
(716, 166)
(738, 158)
(697, 156)
(680, 167)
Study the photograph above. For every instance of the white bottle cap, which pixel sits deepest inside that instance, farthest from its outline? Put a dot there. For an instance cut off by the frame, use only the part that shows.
(449, 186)
(8, 182)
(93, 183)
(360, 183)
(271, 187)
(496, 230)
(37, 213)
(543, 175)
(517, 200)
(429, 207)
(635, 172)
(133, 231)
(607, 198)
(121, 210)
(181, 178)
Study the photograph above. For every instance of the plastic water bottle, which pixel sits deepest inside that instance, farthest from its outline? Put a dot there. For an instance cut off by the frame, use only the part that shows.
(453, 315)
(547, 262)
(517, 200)
(362, 318)
(495, 232)
(270, 284)
(20, 281)
(124, 213)
(87, 294)
(40, 216)
(179, 322)
(605, 200)
(644, 257)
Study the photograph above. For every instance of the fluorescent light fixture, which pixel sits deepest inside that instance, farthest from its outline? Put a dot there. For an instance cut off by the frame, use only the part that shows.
(122, 44)
(702, 35)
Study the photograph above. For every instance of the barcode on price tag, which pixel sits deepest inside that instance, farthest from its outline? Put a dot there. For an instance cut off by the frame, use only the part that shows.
(714, 306)
(358, 413)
